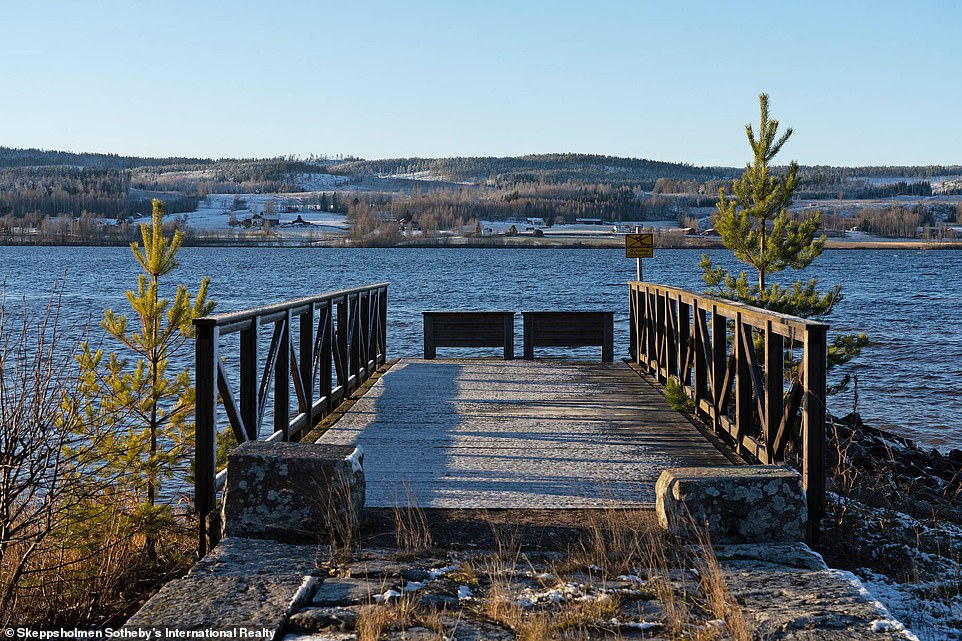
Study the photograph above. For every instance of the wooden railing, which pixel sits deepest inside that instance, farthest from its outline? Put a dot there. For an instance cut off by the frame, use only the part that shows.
(340, 340)
(731, 359)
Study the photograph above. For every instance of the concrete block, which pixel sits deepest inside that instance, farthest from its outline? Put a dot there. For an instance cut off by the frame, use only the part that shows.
(738, 504)
(293, 491)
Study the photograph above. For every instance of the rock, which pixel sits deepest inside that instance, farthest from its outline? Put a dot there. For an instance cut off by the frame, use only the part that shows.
(377, 569)
(789, 604)
(439, 601)
(411, 634)
(243, 584)
(789, 555)
(465, 629)
(321, 636)
(316, 619)
(293, 490)
(738, 504)
(342, 592)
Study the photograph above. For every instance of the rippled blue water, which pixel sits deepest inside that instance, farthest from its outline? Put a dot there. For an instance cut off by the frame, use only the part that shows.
(909, 378)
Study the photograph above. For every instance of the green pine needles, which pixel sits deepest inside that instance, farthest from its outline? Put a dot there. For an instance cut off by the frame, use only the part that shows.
(754, 225)
(147, 408)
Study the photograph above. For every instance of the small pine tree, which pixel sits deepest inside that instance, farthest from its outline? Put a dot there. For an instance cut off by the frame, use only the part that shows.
(754, 225)
(148, 409)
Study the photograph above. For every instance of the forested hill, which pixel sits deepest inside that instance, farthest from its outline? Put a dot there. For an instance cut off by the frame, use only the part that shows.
(43, 158)
(662, 177)
(553, 168)
(550, 168)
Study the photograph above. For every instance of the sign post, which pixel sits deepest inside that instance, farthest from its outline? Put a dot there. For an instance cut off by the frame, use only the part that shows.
(639, 246)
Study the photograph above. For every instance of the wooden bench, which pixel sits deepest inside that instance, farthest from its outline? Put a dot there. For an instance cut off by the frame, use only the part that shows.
(569, 329)
(468, 329)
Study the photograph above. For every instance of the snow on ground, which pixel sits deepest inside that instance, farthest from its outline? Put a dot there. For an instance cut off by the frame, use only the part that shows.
(214, 215)
(915, 606)
(319, 182)
(930, 605)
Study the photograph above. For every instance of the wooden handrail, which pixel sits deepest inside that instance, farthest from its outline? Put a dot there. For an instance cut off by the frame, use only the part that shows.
(739, 386)
(340, 341)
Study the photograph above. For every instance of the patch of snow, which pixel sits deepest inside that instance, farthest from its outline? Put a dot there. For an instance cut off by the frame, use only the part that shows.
(355, 459)
(633, 578)
(635, 625)
(464, 592)
(413, 586)
(303, 594)
(387, 596)
(884, 616)
(929, 619)
(434, 573)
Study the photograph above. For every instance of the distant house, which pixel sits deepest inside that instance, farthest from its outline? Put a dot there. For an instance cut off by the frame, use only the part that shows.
(537, 222)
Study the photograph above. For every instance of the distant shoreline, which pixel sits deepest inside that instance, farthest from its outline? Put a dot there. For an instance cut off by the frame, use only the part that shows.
(574, 242)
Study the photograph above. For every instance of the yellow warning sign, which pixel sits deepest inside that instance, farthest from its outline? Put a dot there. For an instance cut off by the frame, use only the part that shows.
(639, 245)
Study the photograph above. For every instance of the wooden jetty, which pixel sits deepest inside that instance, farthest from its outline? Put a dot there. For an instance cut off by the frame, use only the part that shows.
(503, 434)
(486, 433)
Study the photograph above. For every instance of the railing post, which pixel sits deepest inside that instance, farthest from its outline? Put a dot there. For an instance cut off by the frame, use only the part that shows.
(702, 370)
(354, 354)
(813, 424)
(249, 411)
(774, 387)
(205, 364)
(325, 358)
(382, 325)
(672, 336)
(661, 348)
(651, 324)
(743, 383)
(340, 339)
(632, 325)
(282, 379)
(306, 364)
(684, 341)
(366, 325)
(719, 356)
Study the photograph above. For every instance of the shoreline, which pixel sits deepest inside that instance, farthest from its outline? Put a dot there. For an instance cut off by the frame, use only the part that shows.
(574, 242)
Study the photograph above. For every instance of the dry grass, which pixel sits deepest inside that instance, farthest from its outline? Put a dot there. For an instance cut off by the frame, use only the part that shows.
(614, 541)
(403, 614)
(341, 520)
(412, 533)
(719, 599)
(97, 575)
(566, 595)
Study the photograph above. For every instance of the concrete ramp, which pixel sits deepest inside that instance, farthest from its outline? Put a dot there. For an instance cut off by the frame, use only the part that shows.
(517, 434)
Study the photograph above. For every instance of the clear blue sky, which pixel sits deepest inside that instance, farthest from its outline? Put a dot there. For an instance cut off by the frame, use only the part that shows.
(859, 82)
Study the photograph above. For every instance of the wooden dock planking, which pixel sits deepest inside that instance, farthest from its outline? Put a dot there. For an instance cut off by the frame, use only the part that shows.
(516, 434)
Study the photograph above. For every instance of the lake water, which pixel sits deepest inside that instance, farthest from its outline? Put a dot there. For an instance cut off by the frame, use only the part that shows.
(910, 377)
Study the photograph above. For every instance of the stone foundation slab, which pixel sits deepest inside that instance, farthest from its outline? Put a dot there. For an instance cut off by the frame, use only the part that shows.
(293, 491)
(734, 504)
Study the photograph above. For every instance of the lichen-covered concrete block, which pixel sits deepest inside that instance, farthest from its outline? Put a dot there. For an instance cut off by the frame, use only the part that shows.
(737, 504)
(293, 490)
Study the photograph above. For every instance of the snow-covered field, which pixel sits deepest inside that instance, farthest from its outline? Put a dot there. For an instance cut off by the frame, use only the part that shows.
(215, 212)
